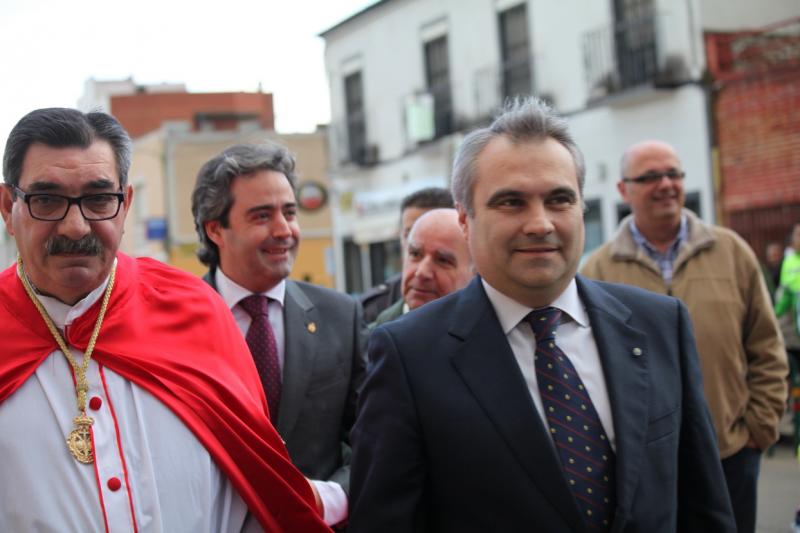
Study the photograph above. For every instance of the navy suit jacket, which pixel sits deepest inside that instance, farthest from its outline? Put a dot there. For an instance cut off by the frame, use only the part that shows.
(448, 438)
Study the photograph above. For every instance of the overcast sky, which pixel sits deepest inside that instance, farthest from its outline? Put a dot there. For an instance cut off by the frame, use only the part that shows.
(48, 48)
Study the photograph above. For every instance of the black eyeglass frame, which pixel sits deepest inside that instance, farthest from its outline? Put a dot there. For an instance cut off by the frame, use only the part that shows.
(26, 197)
(655, 176)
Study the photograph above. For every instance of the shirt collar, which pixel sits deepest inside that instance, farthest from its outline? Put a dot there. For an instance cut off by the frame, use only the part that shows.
(232, 292)
(510, 312)
(642, 241)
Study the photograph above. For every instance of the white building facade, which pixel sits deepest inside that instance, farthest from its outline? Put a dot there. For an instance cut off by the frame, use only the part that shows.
(409, 77)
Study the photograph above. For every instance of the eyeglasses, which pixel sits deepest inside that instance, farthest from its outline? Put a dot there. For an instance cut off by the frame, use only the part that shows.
(654, 176)
(54, 207)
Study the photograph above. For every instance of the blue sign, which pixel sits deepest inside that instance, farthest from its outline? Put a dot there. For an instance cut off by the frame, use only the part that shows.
(156, 229)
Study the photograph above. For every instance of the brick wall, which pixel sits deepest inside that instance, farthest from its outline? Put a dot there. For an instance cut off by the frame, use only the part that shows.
(758, 135)
(142, 113)
(756, 109)
(759, 227)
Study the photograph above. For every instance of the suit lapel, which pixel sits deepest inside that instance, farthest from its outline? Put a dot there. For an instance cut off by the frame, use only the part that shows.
(488, 367)
(298, 356)
(627, 381)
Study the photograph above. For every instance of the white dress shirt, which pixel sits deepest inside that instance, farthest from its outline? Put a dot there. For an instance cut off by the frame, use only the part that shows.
(574, 337)
(150, 473)
(233, 293)
(334, 499)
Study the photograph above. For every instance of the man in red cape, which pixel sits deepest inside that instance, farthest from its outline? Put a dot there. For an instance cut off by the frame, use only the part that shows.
(179, 436)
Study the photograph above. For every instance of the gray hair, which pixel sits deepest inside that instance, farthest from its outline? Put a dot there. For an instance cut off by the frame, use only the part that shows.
(212, 198)
(520, 119)
(60, 127)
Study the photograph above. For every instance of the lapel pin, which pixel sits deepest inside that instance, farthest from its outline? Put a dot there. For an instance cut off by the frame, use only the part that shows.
(312, 327)
(637, 352)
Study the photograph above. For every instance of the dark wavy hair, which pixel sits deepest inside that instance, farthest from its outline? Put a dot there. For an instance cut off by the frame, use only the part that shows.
(212, 198)
(61, 127)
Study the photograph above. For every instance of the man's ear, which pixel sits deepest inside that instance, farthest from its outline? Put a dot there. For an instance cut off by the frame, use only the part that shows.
(623, 191)
(214, 231)
(126, 202)
(463, 220)
(6, 205)
(128, 196)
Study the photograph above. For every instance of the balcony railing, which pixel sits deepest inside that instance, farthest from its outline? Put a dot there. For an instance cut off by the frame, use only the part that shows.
(622, 56)
(431, 113)
(442, 108)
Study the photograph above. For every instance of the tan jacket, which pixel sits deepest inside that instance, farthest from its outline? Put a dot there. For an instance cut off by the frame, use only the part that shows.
(741, 350)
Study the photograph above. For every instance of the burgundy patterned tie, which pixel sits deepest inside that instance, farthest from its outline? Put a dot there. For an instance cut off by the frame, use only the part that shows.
(586, 455)
(261, 341)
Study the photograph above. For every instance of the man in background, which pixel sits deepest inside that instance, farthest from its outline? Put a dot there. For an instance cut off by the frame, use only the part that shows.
(787, 307)
(375, 300)
(307, 341)
(773, 259)
(665, 248)
(436, 262)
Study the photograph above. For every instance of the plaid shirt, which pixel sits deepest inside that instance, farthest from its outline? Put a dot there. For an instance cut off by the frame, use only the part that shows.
(664, 260)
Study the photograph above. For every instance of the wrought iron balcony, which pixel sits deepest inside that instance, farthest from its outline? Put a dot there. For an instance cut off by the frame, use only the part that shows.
(626, 55)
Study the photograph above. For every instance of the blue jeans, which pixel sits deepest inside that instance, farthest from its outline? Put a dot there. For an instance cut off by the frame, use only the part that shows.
(741, 473)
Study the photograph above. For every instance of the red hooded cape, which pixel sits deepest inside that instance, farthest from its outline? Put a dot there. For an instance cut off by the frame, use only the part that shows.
(172, 335)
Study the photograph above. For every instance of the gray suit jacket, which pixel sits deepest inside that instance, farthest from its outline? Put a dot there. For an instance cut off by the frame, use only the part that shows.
(323, 368)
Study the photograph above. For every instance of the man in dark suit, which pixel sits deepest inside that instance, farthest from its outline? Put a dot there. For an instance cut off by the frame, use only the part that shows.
(387, 294)
(307, 341)
(534, 399)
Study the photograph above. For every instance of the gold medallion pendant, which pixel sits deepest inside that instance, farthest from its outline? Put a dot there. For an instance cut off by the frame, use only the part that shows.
(79, 441)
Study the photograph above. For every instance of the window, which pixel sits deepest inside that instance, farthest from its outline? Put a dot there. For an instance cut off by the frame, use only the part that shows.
(437, 74)
(593, 222)
(385, 260)
(354, 282)
(516, 67)
(635, 41)
(356, 121)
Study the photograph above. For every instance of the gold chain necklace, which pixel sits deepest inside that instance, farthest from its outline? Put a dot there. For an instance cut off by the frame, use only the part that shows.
(79, 441)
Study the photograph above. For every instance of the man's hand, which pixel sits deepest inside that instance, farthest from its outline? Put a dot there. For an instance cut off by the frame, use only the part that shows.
(751, 443)
(317, 499)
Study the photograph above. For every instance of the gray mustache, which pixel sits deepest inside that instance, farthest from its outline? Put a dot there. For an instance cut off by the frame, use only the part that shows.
(88, 245)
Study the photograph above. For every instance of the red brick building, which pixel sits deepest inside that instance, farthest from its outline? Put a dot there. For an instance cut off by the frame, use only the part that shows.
(144, 112)
(755, 80)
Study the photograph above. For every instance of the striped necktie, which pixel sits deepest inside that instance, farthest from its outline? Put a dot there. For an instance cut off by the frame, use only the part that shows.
(583, 447)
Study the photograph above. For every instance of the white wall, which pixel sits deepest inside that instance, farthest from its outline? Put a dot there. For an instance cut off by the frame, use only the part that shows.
(558, 47)
(371, 212)
(729, 15)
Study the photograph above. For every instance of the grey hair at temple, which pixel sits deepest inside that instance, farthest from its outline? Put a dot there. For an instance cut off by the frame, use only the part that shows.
(520, 119)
